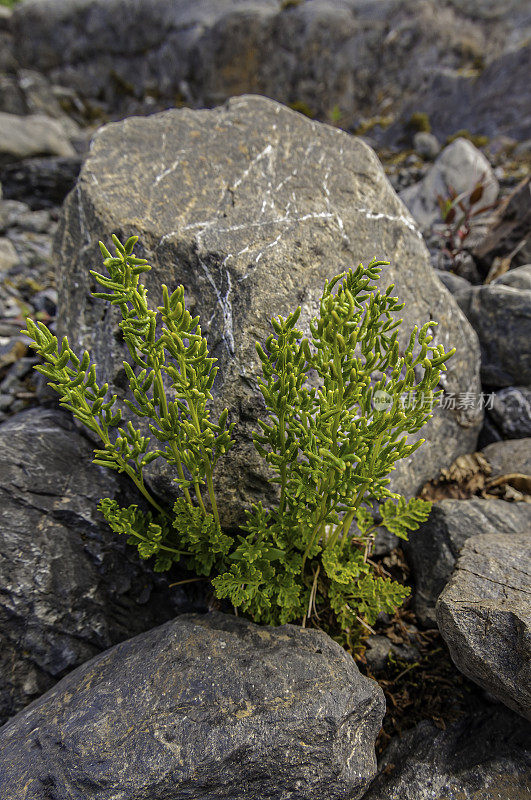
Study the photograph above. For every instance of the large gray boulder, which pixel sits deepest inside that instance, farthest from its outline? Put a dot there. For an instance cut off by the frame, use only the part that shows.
(501, 316)
(204, 707)
(70, 587)
(434, 548)
(252, 206)
(482, 756)
(367, 59)
(484, 615)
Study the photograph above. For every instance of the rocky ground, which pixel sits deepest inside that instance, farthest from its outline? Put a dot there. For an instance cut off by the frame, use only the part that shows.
(453, 664)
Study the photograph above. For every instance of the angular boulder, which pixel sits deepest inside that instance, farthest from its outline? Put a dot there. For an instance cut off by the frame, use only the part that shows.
(70, 587)
(501, 317)
(483, 756)
(434, 548)
(203, 707)
(251, 207)
(484, 615)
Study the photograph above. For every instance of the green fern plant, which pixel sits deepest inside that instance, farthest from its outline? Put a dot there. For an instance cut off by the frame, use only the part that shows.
(330, 446)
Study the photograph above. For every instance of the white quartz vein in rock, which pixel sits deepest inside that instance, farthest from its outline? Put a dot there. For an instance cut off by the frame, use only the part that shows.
(225, 305)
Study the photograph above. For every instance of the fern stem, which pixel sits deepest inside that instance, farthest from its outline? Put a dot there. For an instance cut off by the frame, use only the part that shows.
(174, 448)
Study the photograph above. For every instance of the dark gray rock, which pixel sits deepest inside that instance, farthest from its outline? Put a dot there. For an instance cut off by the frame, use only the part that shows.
(501, 316)
(519, 278)
(69, 587)
(508, 231)
(511, 412)
(513, 455)
(460, 165)
(201, 707)
(484, 615)
(483, 756)
(252, 206)
(40, 182)
(433, 549)
(454, 283)
(379, 648)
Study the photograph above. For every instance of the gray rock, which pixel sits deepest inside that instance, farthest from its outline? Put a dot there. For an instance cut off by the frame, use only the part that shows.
(8, 255)
(513, 455)
(426, 145)
(433, 549)
(33, 135)
(454, 283)
(70, 587)
(480, 757)
(519, 278)
(319, 54)
(379, 648)
(484, 615)
(40, 182)
(251, 206)
(501, 317)
(10, 211)
(460, 165)
(203, 707)
(511, 411)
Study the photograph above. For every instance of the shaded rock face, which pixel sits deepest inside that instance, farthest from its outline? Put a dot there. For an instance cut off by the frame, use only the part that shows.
(433, 549)
(519, 278)
(204, 707)
(69, 586)
(480, 757)
(40, 182)
(460, 165)
(484, 615)
(501, 316)
(365, 58)
(252, 207)
(511, 412)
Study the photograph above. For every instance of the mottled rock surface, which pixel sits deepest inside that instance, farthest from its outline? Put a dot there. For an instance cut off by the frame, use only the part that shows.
(501, 316)
(252, 206)
(385, 59)
(511, 411)
(69, 587)
(201, 707)
(460, 165)
(485, 756)
(484, 615)
(433, 549)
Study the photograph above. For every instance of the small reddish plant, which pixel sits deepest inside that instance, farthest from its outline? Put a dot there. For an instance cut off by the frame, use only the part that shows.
(460, 215)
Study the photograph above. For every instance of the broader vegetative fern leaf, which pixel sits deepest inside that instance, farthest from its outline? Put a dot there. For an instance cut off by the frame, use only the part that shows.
(340, 407)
